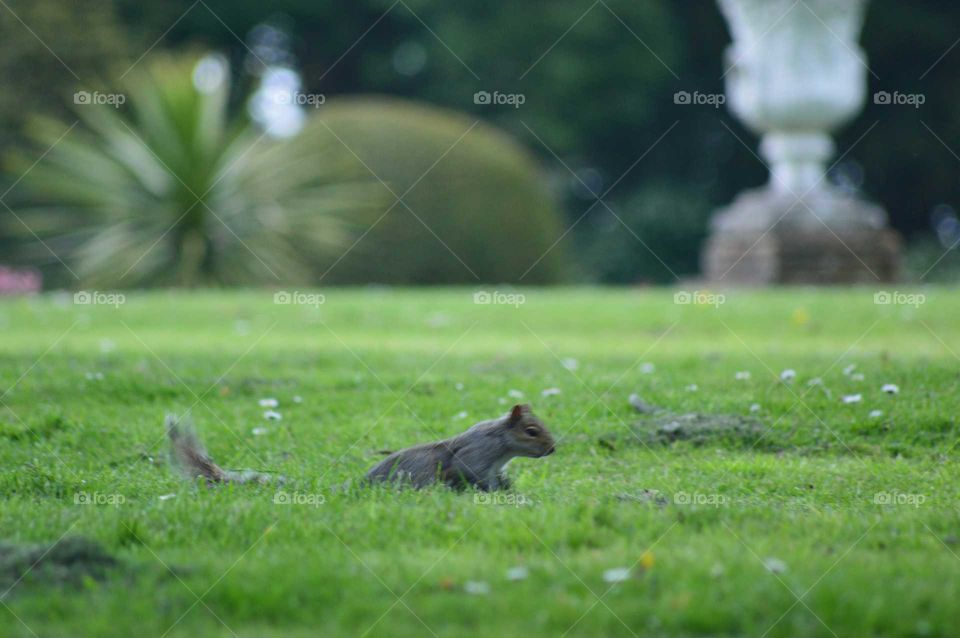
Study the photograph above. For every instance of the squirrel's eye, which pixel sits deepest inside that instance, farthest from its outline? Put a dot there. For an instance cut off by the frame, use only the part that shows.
(532, 431)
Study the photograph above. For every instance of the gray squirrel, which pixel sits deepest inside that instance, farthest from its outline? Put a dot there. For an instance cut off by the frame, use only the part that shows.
(476, 457)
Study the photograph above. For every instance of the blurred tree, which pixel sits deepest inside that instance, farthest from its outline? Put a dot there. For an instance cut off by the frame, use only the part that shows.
(590, 90)
(50, 49)
(474, 207)
(594, 79)
(178, 192)
(902, 163)
(47, 51)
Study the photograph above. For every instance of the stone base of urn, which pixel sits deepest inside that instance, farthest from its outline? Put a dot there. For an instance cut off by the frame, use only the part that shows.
(852, 243)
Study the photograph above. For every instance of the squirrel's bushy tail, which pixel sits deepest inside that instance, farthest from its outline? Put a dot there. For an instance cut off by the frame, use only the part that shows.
(190, 457)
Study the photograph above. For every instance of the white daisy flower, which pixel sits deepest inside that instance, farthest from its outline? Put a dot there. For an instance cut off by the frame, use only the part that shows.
(775, 565)
(517, 573)
(616, 575)
(476, 587)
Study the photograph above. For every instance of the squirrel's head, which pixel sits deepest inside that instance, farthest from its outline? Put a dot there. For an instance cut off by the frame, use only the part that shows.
(528, 435)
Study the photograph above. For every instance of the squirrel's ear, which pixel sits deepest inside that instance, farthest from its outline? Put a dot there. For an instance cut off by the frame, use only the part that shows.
(516, 414)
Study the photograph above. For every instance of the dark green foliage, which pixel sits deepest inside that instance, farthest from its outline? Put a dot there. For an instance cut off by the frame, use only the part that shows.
(50, 49)
(929, 260)
(657, 235)
(476, 210)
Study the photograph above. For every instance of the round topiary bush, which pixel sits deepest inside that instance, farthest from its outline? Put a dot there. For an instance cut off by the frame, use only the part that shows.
(474, 205)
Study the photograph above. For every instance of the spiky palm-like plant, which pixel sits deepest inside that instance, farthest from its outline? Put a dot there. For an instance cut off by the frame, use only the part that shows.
(168, 190)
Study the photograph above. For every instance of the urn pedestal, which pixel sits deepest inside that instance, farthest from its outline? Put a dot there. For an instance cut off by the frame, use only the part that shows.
(794, 74)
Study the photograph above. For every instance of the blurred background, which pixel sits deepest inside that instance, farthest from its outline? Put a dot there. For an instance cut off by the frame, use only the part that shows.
(421, 142)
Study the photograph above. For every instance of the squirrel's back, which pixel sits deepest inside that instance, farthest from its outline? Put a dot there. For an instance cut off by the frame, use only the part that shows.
(417, 466)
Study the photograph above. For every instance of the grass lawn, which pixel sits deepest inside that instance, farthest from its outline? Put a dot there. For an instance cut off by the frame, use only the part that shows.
(832, 522)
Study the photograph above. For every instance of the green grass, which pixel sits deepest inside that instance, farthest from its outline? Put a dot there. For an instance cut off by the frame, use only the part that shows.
(382, 369)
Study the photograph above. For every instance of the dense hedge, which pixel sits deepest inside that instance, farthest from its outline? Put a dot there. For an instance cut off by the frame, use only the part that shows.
(478, 207)
(655, 240)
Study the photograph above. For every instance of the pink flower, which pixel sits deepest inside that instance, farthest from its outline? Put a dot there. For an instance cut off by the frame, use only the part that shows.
(19, 282)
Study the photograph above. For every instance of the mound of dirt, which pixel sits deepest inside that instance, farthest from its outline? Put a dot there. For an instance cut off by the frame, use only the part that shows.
(700, 429)
(68, 561)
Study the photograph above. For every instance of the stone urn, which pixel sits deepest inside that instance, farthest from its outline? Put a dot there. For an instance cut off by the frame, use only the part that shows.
(794, 74)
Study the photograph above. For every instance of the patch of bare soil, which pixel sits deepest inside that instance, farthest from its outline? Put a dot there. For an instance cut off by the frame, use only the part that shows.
(69, 561)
